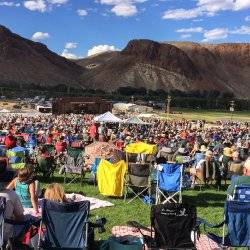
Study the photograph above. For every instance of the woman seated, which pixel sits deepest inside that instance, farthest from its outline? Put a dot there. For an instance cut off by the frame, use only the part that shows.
(26, 188)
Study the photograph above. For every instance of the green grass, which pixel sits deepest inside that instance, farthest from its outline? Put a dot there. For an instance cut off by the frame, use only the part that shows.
(209, 203)
(210, 116)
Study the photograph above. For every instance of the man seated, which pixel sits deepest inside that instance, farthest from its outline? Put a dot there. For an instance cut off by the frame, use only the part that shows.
(14, 209)
(240, 180)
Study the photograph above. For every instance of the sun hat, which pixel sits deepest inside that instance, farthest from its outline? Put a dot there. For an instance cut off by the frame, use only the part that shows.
(209, 153)
(247, 164)
(167, 150)
(182, 150)
(227, 152)
(203, 148)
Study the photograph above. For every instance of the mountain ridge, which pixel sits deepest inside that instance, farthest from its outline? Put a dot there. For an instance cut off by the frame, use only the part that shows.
(185, 66)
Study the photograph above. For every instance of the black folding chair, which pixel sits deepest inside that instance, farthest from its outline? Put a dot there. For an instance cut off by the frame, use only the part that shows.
(173, 225)
(138, 180)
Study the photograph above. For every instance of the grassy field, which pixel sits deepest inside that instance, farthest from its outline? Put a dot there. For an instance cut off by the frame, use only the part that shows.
(209, 115)
(209, 204)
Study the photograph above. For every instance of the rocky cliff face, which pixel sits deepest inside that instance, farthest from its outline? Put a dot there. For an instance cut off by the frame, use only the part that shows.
(142, 63)
(174, 65)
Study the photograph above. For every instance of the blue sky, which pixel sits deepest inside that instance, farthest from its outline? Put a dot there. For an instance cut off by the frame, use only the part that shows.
(77, 28)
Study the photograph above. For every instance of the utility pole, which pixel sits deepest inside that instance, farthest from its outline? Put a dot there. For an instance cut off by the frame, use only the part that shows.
(168, 101)
(232, 108)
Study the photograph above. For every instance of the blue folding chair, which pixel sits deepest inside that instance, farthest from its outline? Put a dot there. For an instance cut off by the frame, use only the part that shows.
(242, 193)
(66, 225)
(169, 182)
(237, 221)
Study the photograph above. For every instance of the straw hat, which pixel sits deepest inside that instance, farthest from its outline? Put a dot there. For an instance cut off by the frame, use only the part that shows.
(209, 153)
(182, 150)
(203, 148)
(247, 164)
(227, 152)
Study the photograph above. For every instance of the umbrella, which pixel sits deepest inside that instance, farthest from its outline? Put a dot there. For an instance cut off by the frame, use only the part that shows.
(103, 150)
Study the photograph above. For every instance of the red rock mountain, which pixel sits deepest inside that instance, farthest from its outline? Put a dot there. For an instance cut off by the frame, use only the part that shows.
(142, 63)
(28, 62)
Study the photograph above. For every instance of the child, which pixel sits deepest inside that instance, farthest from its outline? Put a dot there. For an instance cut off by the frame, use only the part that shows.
(25, 187)
(55, 192)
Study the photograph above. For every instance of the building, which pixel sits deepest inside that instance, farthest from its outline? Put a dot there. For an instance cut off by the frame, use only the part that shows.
(81, 105)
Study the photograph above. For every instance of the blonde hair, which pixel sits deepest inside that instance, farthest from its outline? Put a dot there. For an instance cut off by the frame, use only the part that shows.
(55, 192)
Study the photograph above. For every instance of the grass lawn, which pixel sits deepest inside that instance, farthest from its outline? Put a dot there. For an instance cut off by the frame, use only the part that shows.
(209, 204)
(210, 115)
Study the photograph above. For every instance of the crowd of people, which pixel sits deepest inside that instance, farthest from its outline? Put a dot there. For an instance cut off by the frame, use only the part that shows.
(211, 153)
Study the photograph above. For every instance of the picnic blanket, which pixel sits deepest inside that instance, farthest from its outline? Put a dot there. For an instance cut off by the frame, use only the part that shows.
(94, 203)
(203, 243)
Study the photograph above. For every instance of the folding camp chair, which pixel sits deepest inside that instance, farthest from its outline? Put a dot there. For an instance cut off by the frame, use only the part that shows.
(73, 167)
(17, 156)
(241, 193)
(64, 225)
(50, 149)
(169, 182)
(46, 166)
(173, 225)
(237, 222)
(2, 211)
(138, 178)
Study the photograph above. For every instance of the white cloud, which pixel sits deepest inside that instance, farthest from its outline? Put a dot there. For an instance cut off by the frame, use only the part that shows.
(82, 12)
(180, 14)
(35, 5)
(38, 36)
(242, 4)
(206, 8)
(213, 6)
(70, 45)
(247, 18)
(10, 4)
(243, 30)
(59, 2)
(215, 34)
(69, 55)
(124, 10)
(185, 36)
(100, 49)
(191, 30)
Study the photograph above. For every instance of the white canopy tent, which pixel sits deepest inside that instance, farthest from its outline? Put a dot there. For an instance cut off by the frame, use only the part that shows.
(107, 117)
(4, 111)
(135, 120)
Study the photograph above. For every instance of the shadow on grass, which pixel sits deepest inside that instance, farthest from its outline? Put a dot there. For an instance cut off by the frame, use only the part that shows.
(204, 199)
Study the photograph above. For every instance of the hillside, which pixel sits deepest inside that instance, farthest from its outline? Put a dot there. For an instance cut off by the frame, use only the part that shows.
(26, 62)
(184, 66)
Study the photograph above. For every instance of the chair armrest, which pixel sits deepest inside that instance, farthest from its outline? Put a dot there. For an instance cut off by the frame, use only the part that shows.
(138, 225)
(99, 224)
(201, 221)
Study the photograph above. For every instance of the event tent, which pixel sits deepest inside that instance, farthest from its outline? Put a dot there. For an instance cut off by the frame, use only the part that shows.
(4, 111)
(107, 117)
(135, 120)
